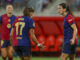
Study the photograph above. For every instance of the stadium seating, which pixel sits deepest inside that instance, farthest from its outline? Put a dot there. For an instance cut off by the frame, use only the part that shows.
(34, 47)
(42, 40)
(50, 43)
(49, 32)
(59, 42)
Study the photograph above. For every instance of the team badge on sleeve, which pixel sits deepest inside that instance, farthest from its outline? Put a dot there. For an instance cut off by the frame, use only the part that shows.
(70, 20)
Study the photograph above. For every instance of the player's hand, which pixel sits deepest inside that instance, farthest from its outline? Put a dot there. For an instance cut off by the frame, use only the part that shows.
(41, 46)
(72, 42)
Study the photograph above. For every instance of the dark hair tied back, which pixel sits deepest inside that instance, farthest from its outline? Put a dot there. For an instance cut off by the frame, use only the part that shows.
(67, 7)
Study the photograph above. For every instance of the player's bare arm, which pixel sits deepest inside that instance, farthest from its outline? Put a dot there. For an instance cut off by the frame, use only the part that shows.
(33, 37)
(73, 26)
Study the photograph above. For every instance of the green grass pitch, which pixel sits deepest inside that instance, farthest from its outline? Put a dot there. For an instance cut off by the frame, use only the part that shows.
(42, 58)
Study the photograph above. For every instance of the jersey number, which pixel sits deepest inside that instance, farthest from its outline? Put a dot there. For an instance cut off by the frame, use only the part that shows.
(21, 26)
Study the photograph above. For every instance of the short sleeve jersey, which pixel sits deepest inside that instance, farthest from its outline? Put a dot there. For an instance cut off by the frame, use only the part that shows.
(21, 26)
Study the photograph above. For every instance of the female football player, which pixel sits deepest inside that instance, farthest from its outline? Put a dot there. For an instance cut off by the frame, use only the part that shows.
(6, 21)
(23, 27)
(70, 32)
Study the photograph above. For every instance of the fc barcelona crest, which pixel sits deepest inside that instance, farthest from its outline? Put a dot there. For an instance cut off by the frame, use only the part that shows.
(8, 26)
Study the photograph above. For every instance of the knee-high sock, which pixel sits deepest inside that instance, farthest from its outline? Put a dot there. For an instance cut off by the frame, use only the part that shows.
(10, 58)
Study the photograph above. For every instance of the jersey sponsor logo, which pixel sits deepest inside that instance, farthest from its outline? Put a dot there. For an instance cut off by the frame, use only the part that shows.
(21, 19)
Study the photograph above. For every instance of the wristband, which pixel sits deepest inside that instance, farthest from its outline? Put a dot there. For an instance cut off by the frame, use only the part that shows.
(38, 44)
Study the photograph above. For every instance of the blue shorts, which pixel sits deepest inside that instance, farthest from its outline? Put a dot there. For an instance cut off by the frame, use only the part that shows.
(23, 50)
(69, 49)
(5, 43)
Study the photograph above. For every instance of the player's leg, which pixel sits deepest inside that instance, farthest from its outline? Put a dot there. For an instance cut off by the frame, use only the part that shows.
(10, 50)
(26, 52)
(21, 57)
(31, 57)
(10, 53)
(72, 57)
(3, 49)
(66, 51)
(4, 53)
(64, 56)
(27, 58)
(73, 52)
(18, 51)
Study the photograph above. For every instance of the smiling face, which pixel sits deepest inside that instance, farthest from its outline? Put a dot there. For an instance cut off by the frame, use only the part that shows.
(9, 9)
(61, 10)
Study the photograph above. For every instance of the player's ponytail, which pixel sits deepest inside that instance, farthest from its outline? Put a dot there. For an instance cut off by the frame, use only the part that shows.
(65, 6)
(71, 12)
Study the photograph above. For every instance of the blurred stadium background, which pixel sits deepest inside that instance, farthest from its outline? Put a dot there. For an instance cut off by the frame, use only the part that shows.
(49, 25)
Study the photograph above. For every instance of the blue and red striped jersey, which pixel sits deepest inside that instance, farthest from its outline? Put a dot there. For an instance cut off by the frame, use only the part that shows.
(6, 25)
(21, 28)
(68, 31)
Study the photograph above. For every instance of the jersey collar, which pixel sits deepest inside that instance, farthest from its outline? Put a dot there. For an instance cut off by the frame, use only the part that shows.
(66, 15)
